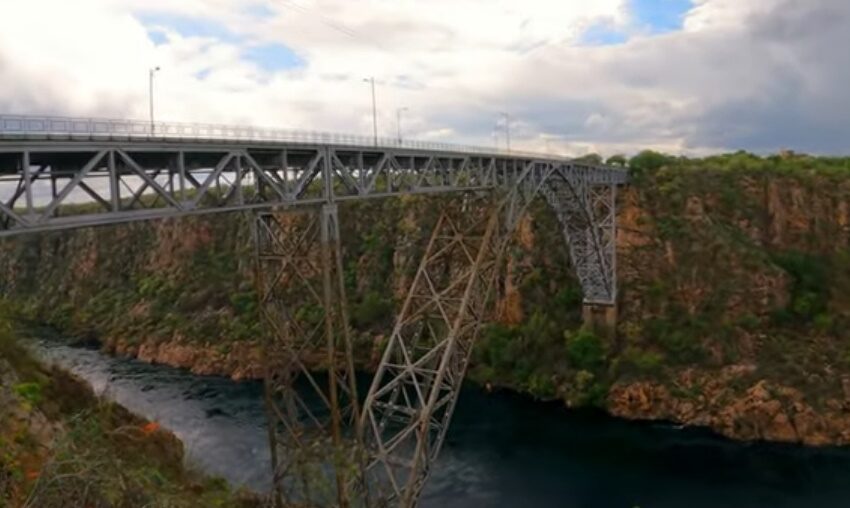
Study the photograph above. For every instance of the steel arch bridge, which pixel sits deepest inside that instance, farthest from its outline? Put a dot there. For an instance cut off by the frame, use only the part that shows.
(60, 173)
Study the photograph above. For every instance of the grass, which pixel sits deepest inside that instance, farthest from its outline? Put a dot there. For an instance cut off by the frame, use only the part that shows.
(61, 446)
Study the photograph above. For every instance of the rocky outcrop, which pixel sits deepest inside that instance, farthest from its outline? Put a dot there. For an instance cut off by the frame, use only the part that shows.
(765, 410)
(239, 361)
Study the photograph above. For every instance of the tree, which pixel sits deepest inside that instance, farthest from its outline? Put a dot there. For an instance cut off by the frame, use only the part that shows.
(648, 161)
(591, 158)
(616, 160)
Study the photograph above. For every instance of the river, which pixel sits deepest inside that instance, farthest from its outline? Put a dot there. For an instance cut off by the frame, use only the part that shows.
(503, 450)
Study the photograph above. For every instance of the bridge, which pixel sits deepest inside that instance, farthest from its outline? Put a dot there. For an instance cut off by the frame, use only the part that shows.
(61, 173)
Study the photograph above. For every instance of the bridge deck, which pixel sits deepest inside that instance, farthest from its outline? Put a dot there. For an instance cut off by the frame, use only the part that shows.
(66, 173)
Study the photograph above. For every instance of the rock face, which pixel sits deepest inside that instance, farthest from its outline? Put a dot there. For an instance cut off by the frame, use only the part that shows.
(241, 362)
(763, 411)
(734, 314)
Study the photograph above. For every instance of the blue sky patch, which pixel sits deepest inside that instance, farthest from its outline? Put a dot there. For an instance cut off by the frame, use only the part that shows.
(259, 11)
(648, 16)
(273, 57)
(660, 16)
(602, 34)
(158, 37)
(187, 27)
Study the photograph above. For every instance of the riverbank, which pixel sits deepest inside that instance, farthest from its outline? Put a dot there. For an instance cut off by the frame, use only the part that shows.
(62, 445)
(766, 410)
(503, 449)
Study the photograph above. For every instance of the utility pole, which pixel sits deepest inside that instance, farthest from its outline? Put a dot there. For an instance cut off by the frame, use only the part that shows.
(151, 73)
(374, 109)
(507, 130)
(398, 113)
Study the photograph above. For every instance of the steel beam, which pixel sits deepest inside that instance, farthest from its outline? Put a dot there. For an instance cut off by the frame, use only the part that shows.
(587, 213)
(300, 286)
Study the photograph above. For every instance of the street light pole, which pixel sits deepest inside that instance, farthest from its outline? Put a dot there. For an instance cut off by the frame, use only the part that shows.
(374, 109)
(151, 73)
(507, 130)
(398, 113)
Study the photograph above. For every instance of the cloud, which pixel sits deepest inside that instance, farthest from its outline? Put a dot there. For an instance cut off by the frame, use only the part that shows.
(760, 75)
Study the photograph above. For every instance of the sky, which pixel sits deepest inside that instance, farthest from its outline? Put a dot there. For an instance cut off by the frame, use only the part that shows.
(575, 76)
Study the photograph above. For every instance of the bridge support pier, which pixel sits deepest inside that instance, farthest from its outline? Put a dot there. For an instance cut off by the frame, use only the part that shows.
(302, 297)
(600, 319)
(587, 212)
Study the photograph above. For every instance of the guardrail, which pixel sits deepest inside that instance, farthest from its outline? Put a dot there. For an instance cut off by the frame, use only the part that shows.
(55, 127)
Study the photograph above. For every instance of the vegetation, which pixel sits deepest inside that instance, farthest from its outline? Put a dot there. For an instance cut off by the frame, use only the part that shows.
(731, 259)
(60, 445)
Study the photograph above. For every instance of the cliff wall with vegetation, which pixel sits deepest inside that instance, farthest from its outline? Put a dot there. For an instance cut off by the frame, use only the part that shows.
(734, 297)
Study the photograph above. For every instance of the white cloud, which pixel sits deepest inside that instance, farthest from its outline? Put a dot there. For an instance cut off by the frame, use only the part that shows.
(725, 81)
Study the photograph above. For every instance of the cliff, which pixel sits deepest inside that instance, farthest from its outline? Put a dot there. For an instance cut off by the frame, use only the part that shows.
(734, 274)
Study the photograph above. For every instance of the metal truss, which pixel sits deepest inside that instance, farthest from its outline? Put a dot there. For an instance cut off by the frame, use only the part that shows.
(46, 185)
(587, 212)
(410, 403)
(302, 297)
(412, 398)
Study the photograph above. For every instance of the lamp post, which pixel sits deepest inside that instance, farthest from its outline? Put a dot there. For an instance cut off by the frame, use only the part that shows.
(398, 113)
(507, 117)
(151, 73)
(374, 109)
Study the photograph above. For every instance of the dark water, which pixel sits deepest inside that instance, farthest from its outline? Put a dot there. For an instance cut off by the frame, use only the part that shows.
(502, 450)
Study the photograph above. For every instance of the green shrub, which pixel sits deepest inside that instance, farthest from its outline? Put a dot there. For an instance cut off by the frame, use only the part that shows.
(641, 362)
(568, 298)
(810, 291)
(373, 310)
(647, 162)
(495, 349)
(30, 392)
(541, 386)
(616, 160)
(244, 302)
(681, 346)
(824, 322)
(585, 350)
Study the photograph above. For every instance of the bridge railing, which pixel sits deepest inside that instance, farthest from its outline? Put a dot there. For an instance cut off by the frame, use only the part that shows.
(57, 127)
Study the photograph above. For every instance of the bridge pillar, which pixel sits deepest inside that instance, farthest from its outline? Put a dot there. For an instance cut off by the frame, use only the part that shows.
(600, 318)
(587, 213)
(301, 293)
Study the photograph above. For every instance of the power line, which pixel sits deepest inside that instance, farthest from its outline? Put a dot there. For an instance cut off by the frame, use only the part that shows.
(329, 22)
